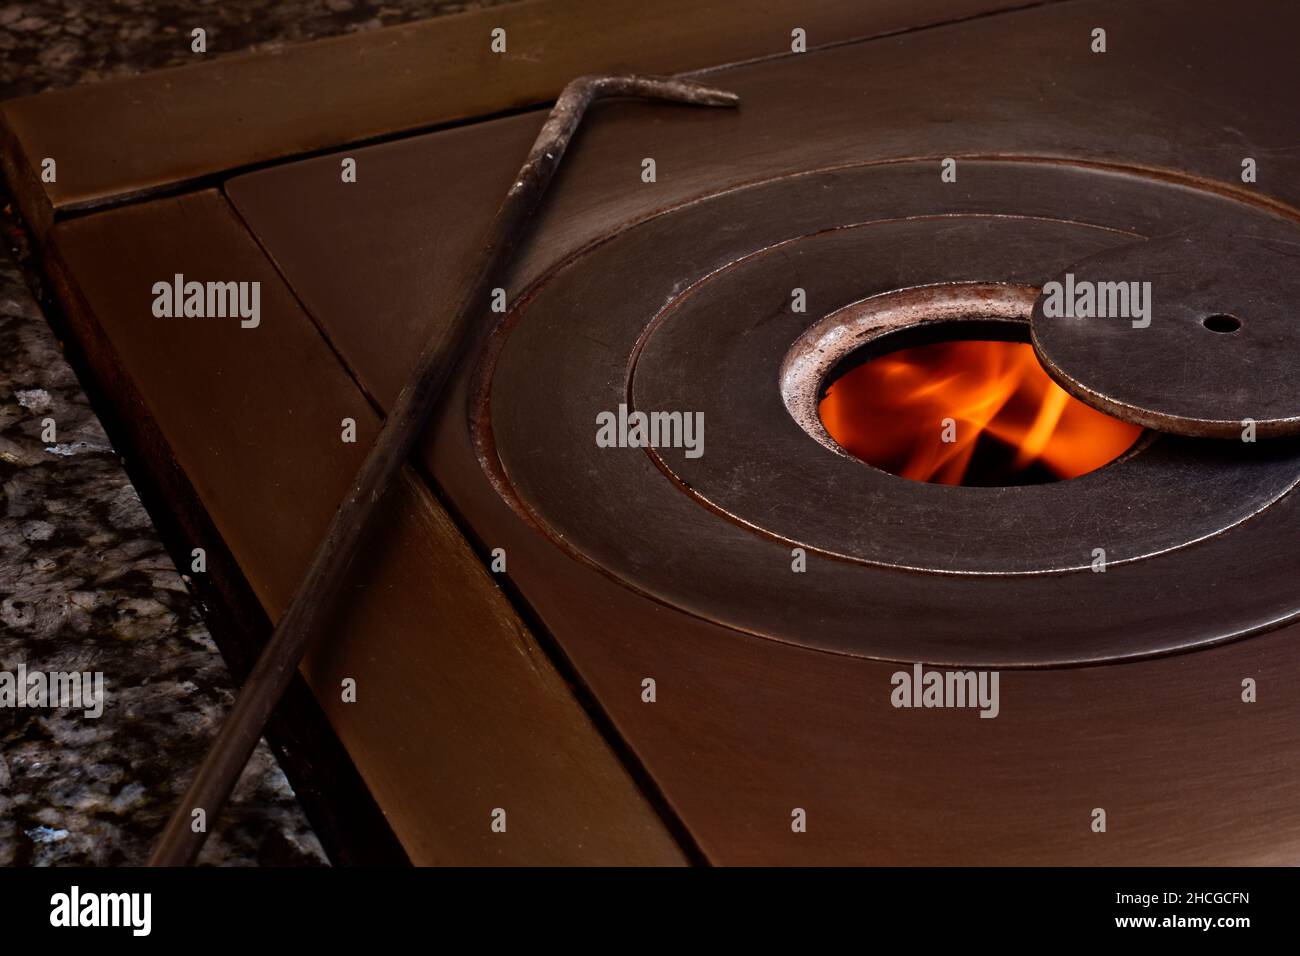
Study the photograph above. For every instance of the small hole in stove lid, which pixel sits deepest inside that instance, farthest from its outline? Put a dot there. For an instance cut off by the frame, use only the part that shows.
(1222, 323)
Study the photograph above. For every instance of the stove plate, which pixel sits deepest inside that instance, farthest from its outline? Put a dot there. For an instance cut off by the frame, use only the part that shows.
(690, 311)
(470, 708)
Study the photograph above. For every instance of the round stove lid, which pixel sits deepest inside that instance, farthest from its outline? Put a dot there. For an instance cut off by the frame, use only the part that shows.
(1189, 334)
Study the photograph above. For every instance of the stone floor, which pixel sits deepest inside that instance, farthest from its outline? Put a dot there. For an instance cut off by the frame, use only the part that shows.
(84, 583)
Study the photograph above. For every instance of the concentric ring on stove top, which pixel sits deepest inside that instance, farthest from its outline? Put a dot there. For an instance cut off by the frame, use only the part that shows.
(573, 344)
(721, 349)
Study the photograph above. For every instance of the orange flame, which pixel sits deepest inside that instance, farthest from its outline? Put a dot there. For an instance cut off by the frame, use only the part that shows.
(1011, 424)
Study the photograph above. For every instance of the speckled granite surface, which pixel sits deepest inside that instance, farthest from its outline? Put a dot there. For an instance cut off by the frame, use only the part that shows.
(85, 586)
(84, 583)
(48, 43)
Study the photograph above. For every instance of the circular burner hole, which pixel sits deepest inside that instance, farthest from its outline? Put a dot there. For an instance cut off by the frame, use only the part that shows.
(940, 384)
(1222, 323)
(966, 411)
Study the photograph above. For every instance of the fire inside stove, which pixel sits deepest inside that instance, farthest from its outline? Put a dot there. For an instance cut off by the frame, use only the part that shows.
(969, 412)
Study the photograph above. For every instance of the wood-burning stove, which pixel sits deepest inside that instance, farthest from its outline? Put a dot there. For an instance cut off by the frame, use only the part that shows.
(645, 655)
